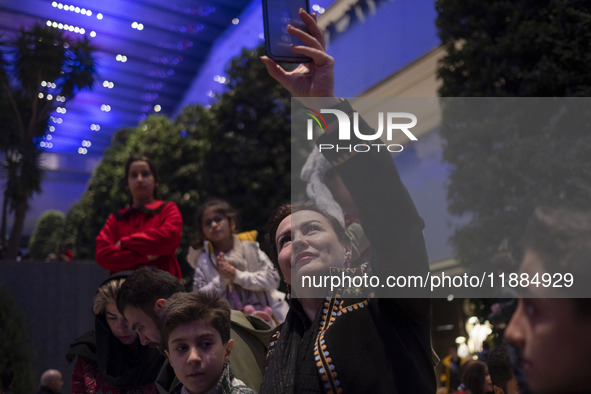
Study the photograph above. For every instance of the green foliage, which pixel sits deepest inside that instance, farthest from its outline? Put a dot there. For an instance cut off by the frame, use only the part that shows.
(17, 353)
(513, 49)
(237, 149)
(39, 53)
(47, 235)
(249, 159)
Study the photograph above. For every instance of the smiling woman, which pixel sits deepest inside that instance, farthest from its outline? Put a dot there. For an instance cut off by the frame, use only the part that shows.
(312, 241)
(148, 232)
(328, 342)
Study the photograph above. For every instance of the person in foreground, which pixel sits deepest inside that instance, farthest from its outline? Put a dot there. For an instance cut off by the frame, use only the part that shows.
(196, 337)
(552, 334)
(142, 300)
(110, 358)
(329, 343)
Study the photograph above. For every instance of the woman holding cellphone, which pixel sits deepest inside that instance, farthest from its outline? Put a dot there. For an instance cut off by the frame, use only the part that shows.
(329, 343)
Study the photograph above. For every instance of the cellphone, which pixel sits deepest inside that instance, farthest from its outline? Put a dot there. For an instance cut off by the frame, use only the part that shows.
(277, 14)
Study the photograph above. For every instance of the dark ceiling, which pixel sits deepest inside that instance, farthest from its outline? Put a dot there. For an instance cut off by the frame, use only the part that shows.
(163, 56)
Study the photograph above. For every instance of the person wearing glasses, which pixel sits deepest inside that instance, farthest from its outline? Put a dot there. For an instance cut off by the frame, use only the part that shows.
(233, 264)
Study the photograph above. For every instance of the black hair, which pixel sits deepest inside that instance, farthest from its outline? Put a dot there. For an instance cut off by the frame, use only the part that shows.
(561, 238)
(499, 367)
(183, 308)
(474, 375)
(6, 378)
(146, 286)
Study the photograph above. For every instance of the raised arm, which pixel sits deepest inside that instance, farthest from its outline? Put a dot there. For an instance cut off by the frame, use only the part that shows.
(313, 79)
(387, 213)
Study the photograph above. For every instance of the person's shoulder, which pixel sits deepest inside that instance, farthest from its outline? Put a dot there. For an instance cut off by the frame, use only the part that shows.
(255, 327)
(159, 205)
(233, 385)
(241, 389)
(249, 322)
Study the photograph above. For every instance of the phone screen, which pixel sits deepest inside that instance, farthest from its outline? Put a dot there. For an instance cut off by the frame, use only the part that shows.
(278, 14)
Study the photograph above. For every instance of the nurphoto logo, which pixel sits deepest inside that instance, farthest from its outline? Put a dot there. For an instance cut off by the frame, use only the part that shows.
(390, 122)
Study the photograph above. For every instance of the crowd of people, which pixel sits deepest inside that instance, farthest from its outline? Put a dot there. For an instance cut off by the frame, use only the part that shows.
(235, 332)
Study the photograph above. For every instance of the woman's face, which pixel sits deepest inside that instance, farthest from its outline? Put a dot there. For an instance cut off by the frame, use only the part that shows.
(216, 226)
(307, 245)
(141, 182)
(119, 325)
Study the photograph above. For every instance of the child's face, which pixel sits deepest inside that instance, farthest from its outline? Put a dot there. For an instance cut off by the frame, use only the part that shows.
(216, 226)
(197, 355)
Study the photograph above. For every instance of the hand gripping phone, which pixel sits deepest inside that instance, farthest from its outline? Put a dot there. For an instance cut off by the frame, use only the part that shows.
(277, 15)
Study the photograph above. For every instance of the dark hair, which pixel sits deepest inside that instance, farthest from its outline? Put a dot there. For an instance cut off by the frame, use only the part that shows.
(220, 206)
(561, 237)
(183, 308)
(146, 286)
(132, 159)
(474, 376)
(499, 367)
(6, 378)
(284, 211)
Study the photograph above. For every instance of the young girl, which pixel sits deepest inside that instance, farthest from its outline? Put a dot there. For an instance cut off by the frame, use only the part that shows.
(148, 232)
(235, 268)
